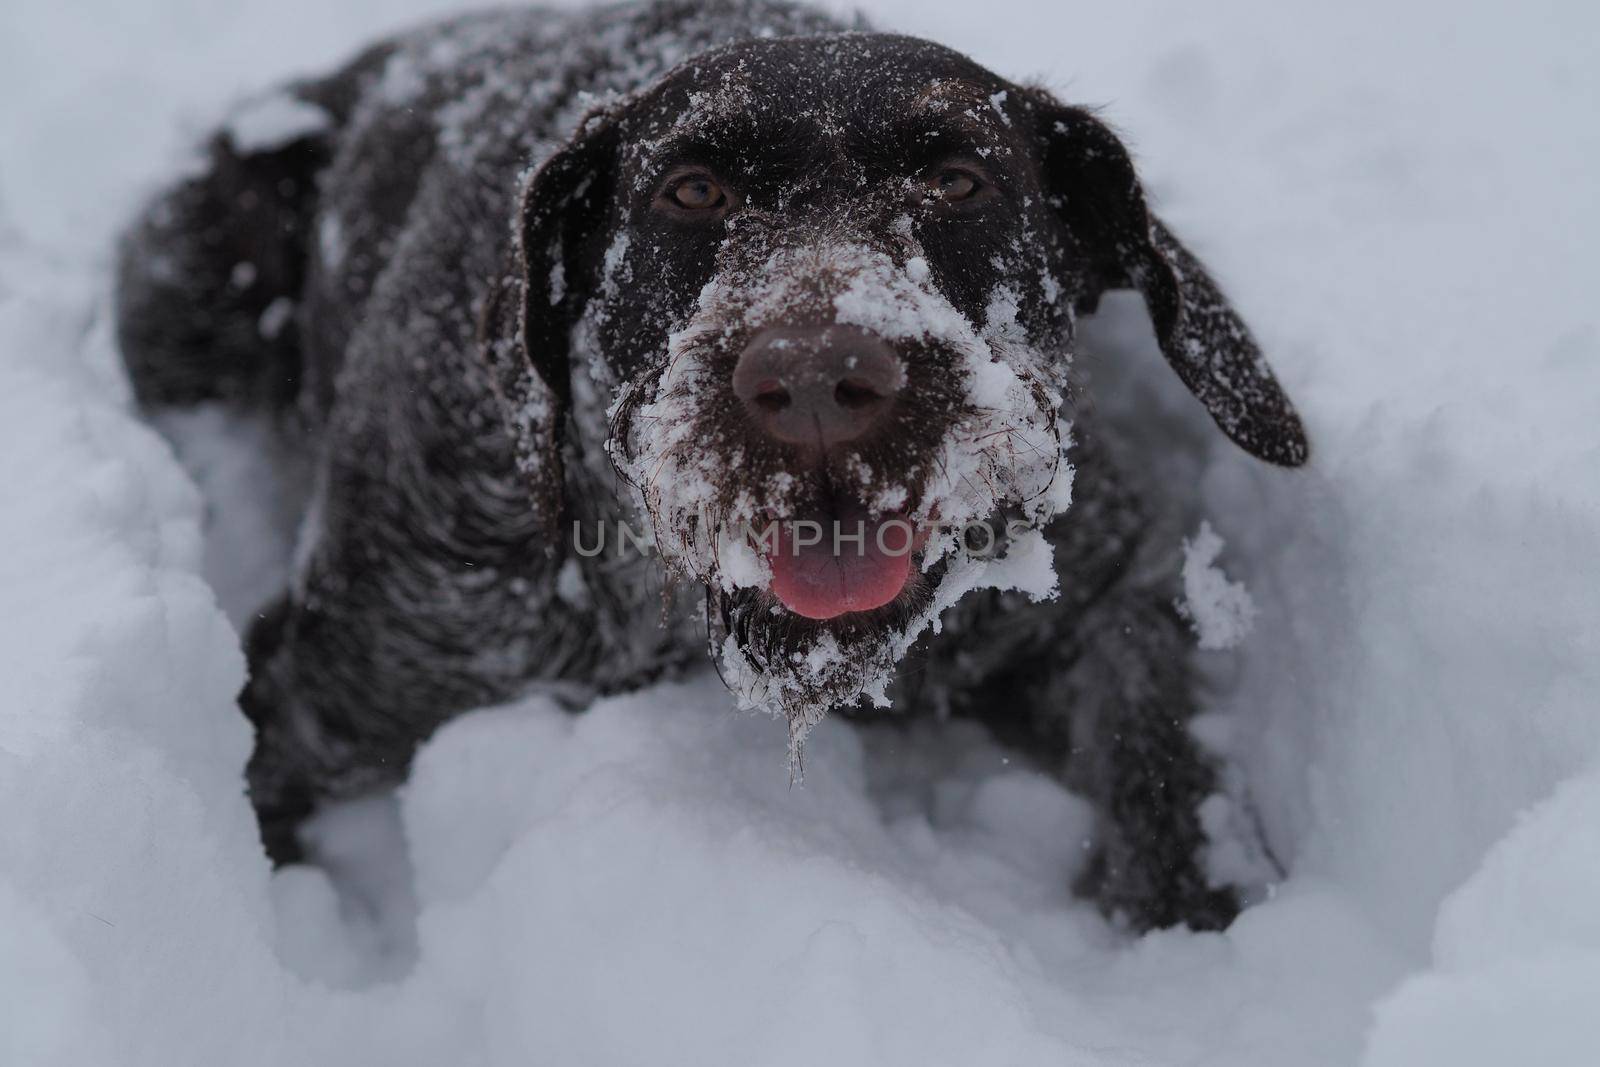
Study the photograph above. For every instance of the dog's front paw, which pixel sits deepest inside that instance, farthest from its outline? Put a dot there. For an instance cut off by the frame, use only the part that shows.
(1152, 888)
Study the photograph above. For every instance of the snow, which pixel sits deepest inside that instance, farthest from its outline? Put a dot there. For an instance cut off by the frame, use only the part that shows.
(272, 122)
(1400, 200)
(1220, 611)
(1516, 952)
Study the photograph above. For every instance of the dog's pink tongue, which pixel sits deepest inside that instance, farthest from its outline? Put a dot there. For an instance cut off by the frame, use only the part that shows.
(824, 578)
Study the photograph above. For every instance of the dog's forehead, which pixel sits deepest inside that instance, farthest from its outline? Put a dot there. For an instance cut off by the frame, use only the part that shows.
(823, 85)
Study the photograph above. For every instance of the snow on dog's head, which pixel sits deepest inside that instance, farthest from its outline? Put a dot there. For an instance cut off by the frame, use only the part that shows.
(813, 297)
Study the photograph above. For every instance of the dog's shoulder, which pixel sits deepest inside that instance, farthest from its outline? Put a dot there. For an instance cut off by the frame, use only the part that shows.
(510, 85)
(435, 131)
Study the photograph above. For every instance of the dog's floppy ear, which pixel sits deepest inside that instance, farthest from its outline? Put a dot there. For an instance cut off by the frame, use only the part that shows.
(1091, 183)
(551, 271)
(561, 227)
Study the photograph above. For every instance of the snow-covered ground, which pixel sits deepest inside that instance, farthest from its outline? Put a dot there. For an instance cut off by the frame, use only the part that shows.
(1402, 201)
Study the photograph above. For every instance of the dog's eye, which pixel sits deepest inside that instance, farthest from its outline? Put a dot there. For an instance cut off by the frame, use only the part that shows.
(954, 184)
(695, 192)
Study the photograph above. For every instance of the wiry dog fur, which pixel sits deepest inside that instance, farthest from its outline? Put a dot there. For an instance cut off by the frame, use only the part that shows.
(484, 329)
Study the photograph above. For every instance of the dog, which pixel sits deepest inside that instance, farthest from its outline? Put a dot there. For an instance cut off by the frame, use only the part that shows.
(796, 299)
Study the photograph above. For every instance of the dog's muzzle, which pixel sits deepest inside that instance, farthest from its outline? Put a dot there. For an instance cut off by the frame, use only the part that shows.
(816, 389)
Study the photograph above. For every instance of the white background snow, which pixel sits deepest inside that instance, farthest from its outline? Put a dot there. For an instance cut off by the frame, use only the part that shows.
(1401, 199)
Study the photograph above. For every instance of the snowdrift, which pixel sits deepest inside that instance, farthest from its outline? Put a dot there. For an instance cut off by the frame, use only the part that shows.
(1400, 201)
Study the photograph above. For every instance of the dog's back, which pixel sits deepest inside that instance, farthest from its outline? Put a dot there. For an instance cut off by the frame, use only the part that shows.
(247, 283)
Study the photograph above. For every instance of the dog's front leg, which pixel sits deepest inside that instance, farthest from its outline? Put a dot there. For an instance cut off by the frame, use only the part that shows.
(370, 651)
(1125, 701)
(341, 697)
(1107, 710)
(1102, 691)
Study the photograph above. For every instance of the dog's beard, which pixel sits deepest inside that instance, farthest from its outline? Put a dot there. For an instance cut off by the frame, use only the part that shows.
(983, 441)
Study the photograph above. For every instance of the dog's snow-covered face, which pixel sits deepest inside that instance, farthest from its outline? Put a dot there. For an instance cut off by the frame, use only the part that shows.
(814, 297)
(828, 436)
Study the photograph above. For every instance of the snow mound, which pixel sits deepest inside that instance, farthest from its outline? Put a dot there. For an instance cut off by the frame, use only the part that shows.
(1516, 953)
(1220, 611)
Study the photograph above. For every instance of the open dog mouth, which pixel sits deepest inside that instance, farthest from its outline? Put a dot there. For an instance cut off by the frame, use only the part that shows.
(827, 566)
(841, 559)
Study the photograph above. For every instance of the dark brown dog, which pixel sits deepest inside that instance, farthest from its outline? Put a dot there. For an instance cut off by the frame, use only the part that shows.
(765, 273)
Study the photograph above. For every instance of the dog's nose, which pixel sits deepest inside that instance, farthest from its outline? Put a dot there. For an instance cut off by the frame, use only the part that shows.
(818, 385)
